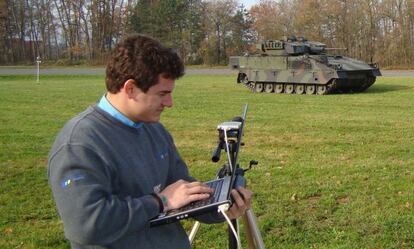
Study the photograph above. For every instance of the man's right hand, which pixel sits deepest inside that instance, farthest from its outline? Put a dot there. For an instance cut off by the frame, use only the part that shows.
(182, 193)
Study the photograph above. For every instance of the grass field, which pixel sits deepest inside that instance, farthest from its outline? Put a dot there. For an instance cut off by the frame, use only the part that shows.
(334, 171)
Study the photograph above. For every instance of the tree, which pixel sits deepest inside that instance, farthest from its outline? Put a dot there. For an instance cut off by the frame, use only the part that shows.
(227, 29)
(175, 23)
(242, 35)
(204, 31)
(267, 23)
(3, 31)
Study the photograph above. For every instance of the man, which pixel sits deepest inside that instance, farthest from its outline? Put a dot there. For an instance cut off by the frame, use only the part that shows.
(114, 167)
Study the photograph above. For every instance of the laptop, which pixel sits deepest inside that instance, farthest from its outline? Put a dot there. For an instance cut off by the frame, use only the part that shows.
(222, 186)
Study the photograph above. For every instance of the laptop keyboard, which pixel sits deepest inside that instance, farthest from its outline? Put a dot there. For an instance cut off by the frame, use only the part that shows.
(216, 185)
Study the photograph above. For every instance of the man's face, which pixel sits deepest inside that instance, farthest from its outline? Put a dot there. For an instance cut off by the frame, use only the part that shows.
(148, 106)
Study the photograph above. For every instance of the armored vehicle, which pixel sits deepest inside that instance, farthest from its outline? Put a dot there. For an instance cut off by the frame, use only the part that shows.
(296, 65)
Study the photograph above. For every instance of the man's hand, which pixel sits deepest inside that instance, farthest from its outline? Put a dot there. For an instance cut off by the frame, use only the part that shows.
(182, 193)
(242, 199)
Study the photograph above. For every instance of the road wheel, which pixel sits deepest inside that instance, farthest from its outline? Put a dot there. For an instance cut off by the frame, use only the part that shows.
(258, 87)
(321, 90)
(268, 87)
(299, 89)
(278, 88)
(310, 89)
(244, 79)
(289, 88)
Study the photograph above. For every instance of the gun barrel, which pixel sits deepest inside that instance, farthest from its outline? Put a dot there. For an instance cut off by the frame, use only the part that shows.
(336, 48)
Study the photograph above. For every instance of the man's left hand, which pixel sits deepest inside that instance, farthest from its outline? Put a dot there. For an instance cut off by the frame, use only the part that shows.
(242, 200)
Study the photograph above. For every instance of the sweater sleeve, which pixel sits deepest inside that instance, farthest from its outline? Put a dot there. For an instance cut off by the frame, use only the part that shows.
(81, 182)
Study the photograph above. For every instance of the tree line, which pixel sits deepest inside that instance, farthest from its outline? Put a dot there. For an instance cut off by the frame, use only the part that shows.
(203, 31)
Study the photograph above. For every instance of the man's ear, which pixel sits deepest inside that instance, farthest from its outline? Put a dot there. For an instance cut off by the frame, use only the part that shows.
(129, 88)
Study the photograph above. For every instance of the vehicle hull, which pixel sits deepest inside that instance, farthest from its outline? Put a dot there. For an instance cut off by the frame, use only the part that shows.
(336, 74)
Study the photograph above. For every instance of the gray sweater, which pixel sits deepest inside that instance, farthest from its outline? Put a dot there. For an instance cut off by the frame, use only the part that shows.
(102, 173)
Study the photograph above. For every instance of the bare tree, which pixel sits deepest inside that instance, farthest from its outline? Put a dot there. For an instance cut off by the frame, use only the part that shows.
(3, 31)
(218, 20)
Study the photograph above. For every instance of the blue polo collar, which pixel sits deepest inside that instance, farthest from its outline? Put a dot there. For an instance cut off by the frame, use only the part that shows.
(111, 110)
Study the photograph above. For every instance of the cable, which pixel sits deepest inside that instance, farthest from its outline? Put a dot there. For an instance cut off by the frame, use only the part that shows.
(227, 149)
(223, 208)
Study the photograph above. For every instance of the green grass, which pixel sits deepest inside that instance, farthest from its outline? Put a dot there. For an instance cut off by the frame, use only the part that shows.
(334, 171)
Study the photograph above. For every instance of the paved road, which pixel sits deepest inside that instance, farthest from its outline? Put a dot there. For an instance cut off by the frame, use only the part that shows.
(101, 71)
(93, 71)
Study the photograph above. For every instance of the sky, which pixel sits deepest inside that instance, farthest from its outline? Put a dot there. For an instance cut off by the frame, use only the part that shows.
(248, 3)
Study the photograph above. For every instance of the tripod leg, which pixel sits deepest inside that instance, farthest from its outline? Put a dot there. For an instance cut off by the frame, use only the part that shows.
(248, 229)
(232, 239)
(193, 232)
(254, 229)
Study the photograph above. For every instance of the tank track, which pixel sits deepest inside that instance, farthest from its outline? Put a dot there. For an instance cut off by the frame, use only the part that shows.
(289, 88)
(333, 86)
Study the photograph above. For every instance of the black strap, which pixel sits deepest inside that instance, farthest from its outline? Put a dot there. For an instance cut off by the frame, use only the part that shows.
(160, 203)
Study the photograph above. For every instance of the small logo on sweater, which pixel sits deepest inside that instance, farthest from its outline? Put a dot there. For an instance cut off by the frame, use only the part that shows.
(163, 155)
(157, 188)
(70, 180)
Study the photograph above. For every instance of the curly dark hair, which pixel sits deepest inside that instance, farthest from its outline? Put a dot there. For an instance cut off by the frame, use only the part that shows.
(142, 59)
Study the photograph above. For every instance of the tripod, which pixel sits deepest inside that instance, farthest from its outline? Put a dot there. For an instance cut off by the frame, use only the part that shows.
(253, 236)
(230, 135)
